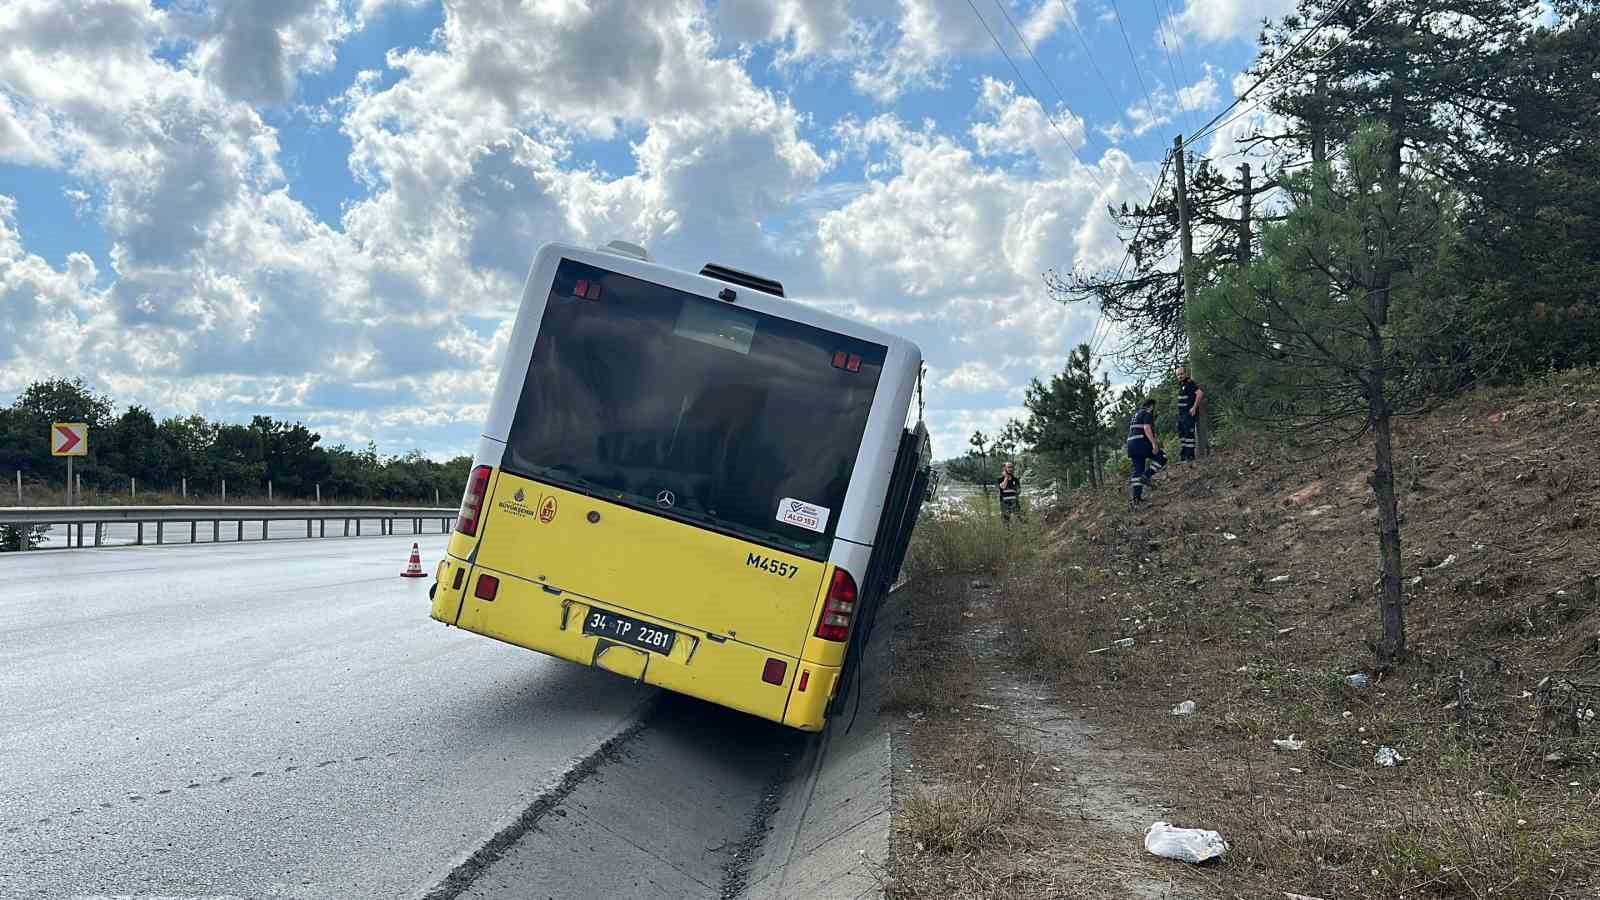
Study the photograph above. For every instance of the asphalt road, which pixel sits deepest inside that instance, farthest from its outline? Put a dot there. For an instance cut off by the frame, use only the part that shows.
(275, 719)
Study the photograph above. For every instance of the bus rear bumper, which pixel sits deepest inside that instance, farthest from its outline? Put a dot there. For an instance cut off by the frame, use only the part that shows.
(710, 667)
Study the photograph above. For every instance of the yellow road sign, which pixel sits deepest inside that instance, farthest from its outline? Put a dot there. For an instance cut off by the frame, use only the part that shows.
(69, 439)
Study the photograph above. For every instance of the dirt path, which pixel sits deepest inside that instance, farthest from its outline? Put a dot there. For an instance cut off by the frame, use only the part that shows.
(1003, 791)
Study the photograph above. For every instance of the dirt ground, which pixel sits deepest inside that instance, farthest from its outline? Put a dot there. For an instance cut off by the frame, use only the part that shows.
(1031, 765)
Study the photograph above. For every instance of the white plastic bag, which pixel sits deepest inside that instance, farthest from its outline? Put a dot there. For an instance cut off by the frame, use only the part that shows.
(1290, 744)
(1388, 757)
(1194, 845)
(1183, 709)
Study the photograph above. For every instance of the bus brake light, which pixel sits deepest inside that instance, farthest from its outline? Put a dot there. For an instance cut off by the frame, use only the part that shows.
(472, 501)
(839, 608)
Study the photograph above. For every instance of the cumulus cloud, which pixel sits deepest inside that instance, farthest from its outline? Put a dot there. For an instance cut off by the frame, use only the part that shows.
(1226, 20)
(1141, 118)
(973, 377)
(1018, 125)
(20, 131)
(222, 292)
(255, 51)
(950, 246)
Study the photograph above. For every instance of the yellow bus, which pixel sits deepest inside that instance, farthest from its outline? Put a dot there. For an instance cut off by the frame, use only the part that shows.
(688, 480)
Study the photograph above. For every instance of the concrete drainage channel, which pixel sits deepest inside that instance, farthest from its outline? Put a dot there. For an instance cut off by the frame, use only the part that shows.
(693, 801)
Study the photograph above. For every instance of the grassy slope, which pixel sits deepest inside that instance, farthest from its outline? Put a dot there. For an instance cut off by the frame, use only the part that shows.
(1501, 506)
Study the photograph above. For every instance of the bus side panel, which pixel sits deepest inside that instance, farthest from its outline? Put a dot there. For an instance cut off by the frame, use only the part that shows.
(640, 563)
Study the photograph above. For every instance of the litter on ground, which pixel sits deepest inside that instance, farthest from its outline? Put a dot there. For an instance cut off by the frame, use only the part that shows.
(1194, 845)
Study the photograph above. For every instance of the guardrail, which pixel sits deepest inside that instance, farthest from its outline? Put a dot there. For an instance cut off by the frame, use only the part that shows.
(81, 517)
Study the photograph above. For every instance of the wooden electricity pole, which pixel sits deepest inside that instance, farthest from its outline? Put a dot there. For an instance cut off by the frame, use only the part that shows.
(1186, 245)
(1245, 200)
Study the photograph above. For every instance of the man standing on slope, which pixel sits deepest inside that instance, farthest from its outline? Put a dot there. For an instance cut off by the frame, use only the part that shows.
(1141, 446)
(1191, 398)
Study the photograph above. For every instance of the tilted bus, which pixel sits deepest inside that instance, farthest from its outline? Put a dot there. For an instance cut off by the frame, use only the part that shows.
(688, 480)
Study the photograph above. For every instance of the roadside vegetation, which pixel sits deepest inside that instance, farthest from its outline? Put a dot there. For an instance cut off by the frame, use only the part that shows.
(1247, 586)
(133, 457)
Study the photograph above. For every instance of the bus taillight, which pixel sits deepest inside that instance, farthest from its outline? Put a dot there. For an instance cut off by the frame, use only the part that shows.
(839, 608)
(472, 501)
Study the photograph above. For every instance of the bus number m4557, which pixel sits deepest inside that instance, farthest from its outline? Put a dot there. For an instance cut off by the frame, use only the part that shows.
(776, 568)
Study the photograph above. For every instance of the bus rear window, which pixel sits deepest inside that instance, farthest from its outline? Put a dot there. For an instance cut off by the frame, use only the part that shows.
(692, 408)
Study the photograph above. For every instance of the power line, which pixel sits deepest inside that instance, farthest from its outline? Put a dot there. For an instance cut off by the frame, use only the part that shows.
(1209, 129)
(1026, 87)
(1151, 104)
(1020, 37)
(1177, 85)
(1274, 68)
(1164, 29)
(1072, 19)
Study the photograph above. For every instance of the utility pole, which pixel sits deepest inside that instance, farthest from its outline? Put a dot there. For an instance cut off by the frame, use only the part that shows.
(1186, 244)
(1185, 237)
(1245, 201)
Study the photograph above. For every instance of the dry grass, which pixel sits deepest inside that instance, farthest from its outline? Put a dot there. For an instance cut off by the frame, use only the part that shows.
(968, 539)
(1500, 796)
(975, 826)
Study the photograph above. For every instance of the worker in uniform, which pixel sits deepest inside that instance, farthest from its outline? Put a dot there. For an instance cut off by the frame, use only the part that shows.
(1190, 400)
(1142, 445)
(1010, 493)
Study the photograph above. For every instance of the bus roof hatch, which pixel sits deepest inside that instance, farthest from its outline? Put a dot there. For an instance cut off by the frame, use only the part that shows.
(623, 248)
(734, 276)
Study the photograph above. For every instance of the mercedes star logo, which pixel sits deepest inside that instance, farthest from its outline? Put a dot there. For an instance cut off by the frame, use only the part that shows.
(666, 499)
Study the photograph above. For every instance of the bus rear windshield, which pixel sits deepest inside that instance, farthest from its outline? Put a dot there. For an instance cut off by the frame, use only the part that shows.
(695, 409)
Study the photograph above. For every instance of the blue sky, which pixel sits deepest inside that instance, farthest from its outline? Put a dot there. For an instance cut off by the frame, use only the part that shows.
(322, 209)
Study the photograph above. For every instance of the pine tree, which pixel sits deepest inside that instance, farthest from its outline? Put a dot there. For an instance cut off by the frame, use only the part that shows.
(1341, 321)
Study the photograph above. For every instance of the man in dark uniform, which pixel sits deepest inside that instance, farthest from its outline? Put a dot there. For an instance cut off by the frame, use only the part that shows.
(1142, 446)
(1190, 400)
(1010, 493)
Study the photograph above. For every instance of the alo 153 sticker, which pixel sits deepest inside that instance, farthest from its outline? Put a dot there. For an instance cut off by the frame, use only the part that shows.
(805, 515)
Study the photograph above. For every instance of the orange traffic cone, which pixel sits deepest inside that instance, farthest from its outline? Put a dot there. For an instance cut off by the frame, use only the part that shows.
(414, 567)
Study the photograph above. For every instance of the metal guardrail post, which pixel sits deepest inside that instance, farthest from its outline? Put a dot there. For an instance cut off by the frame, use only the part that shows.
(140, 540)
(161, 527)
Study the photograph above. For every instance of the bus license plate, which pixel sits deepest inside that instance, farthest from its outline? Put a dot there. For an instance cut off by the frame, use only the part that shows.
(629, 631)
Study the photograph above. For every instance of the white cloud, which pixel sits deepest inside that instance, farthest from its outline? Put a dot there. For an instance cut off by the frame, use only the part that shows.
(1225, 20)
(926, 34)
(1020, 126)
(811, 28)
(1142, 118)
(1202, 94)
(255, 51)
(223, 294)
(20, 129)
(973, 377)
(952, 248)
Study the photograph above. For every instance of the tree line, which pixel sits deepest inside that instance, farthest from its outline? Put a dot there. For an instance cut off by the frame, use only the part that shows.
(1427, 218)
(164, 454)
